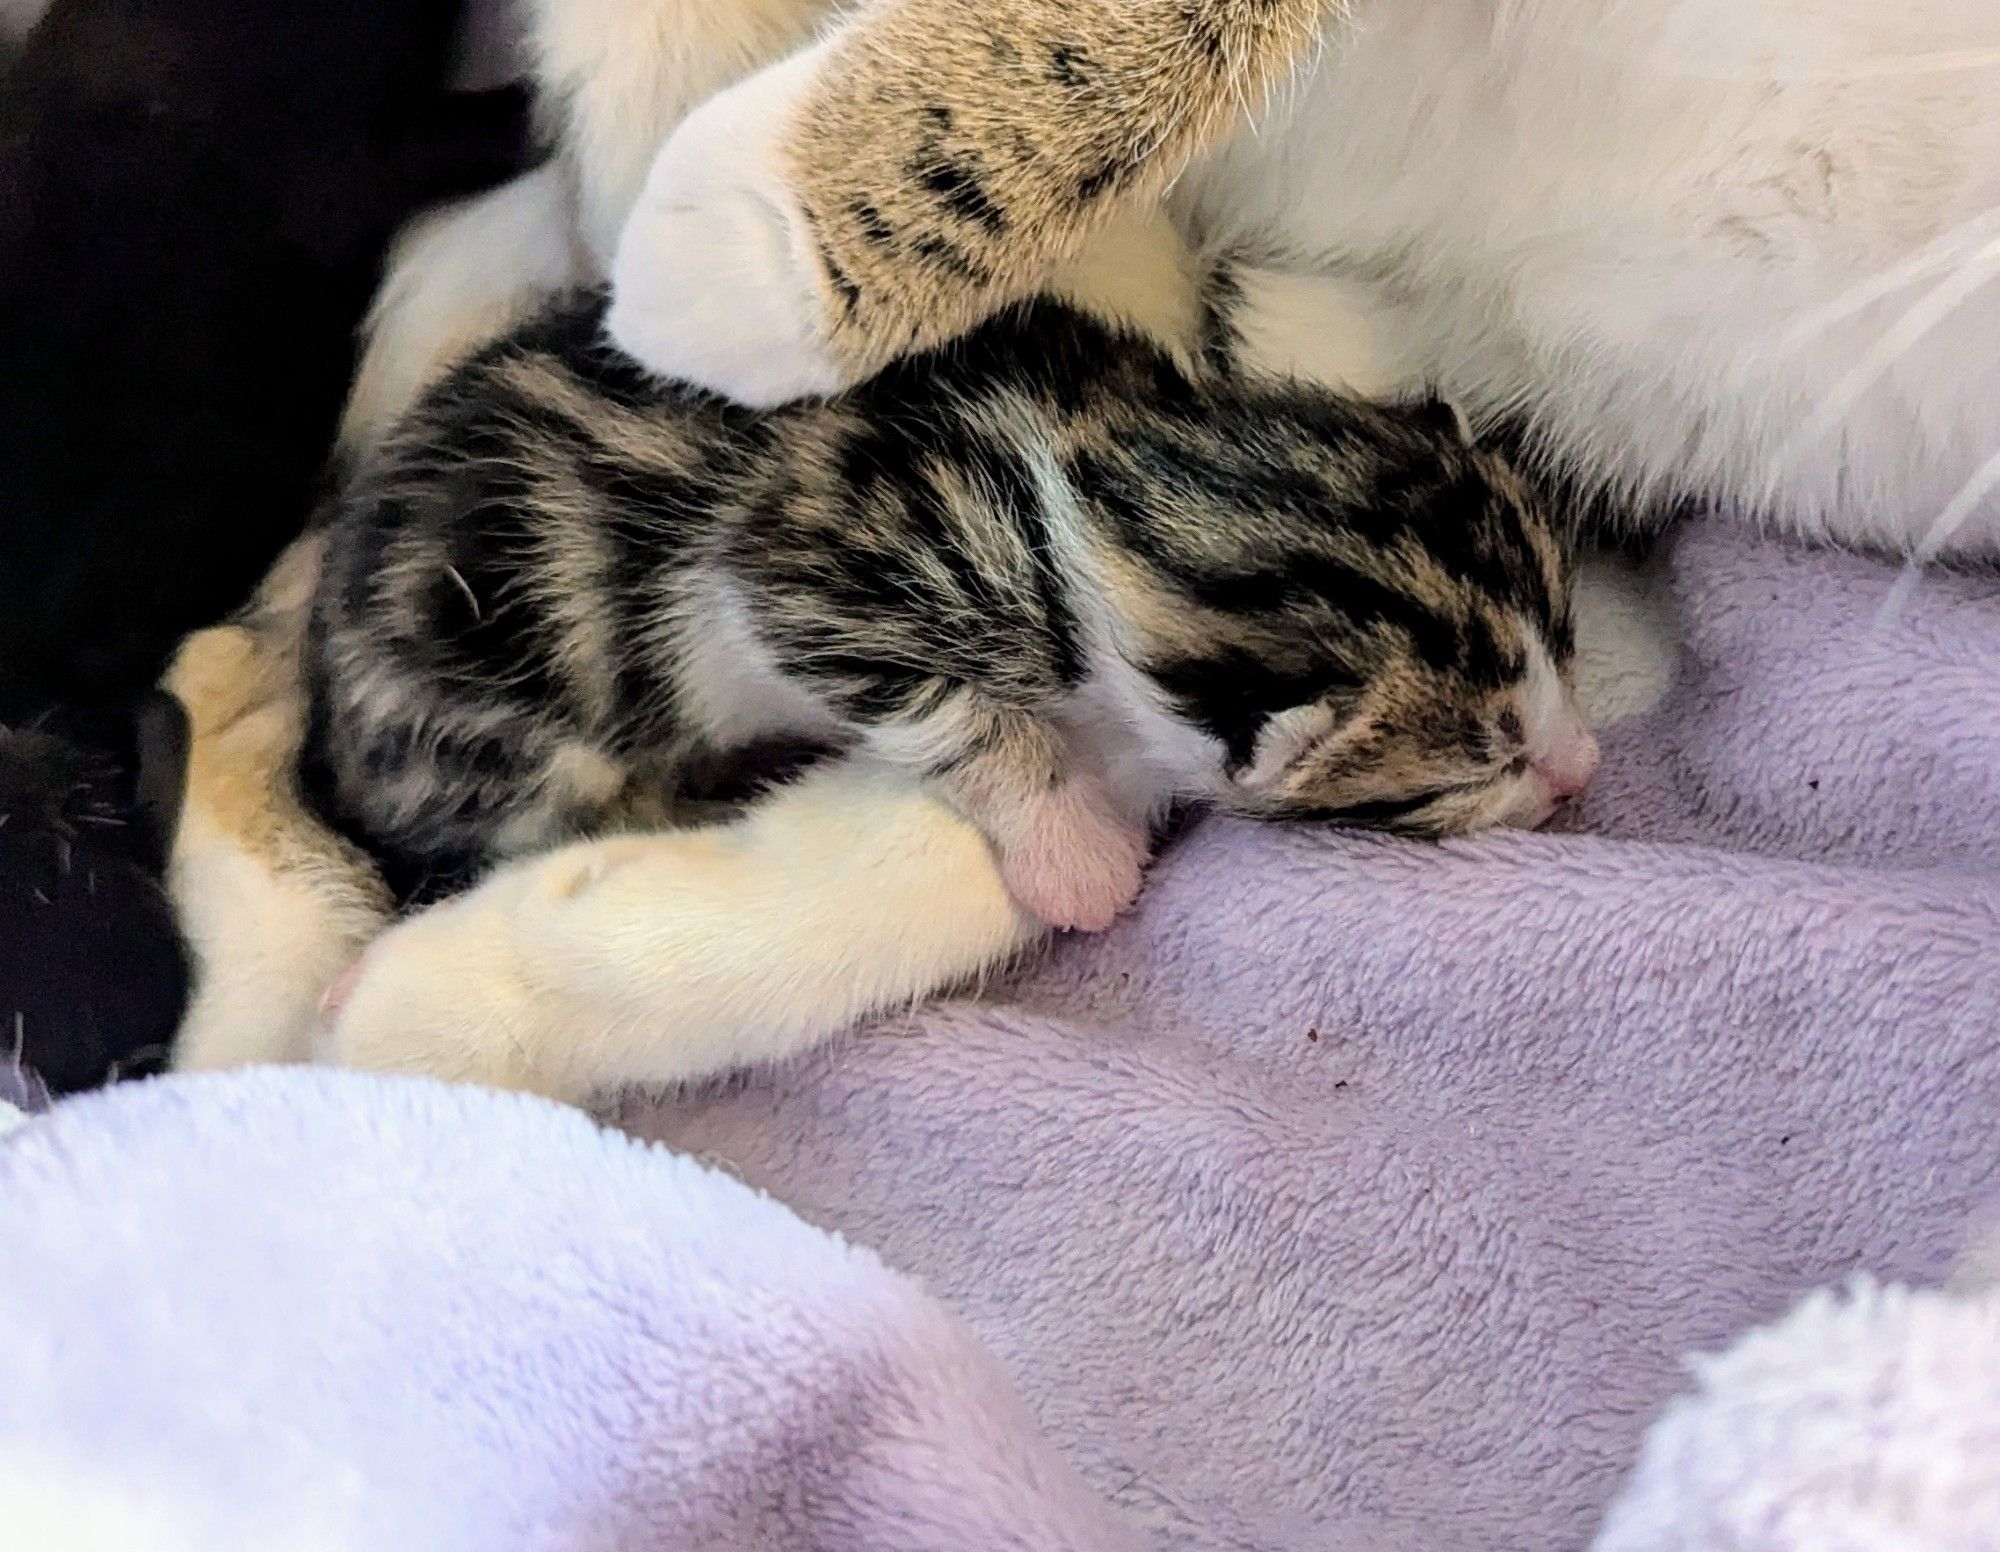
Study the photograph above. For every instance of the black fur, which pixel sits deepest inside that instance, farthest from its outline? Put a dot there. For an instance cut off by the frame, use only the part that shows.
(195, 200)
(196, 197)
(93, 973)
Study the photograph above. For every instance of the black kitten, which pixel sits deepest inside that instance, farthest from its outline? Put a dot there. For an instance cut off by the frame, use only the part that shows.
(196, 198)
(93, 973)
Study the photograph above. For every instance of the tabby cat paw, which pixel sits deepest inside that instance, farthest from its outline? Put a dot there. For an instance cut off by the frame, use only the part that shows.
(715, 281)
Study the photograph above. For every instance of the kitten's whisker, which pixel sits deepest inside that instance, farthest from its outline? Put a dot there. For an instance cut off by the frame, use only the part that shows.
(465, 587)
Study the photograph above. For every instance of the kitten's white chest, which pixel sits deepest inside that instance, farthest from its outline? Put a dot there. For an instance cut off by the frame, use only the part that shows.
(1656, 222)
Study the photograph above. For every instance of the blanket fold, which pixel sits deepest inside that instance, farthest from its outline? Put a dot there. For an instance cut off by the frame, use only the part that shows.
(317, 1310)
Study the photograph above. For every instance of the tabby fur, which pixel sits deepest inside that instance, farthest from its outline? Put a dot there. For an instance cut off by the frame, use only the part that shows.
(1064, 577)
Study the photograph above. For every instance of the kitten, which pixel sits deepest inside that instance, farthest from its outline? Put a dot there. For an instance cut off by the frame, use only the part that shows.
(1066, 580)
(93, 970)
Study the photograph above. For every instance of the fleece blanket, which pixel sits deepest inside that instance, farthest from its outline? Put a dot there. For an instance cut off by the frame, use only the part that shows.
(321, 1312)
(438, 1319)
(1352, 1195)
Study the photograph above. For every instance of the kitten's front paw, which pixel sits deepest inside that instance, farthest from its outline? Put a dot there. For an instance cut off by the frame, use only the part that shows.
(1076, 864)
(716, 281)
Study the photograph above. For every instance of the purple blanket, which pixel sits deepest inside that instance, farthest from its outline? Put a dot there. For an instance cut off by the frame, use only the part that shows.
(1362, 1196)
(1353, 1196)
(320, 1312)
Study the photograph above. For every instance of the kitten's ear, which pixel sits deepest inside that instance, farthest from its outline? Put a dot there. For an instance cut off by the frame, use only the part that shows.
(1440, 414)
(1287, 736)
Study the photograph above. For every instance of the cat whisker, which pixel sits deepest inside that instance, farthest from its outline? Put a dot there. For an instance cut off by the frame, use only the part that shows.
(1931, 309)
(1946, 248)
(1690, 64)
(1984, 482)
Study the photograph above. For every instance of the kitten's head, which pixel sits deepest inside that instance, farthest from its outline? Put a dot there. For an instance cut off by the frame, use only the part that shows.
(1412, 669)
(1428, 751)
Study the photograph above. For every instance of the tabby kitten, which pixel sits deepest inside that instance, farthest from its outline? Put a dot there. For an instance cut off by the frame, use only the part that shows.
(1067, 580)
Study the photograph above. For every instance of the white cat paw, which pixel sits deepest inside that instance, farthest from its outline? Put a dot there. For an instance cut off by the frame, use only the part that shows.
(451, 993)
(715, 281)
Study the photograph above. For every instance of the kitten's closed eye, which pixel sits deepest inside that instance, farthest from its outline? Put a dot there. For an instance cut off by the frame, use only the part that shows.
(1424, 752)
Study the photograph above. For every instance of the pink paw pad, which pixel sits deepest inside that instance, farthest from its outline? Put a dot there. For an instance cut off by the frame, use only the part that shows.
(1073, 862)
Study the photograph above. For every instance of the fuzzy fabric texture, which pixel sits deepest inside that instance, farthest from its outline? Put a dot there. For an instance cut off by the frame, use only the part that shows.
(1866, 1421)
(1353, 1195)
(316, 1310)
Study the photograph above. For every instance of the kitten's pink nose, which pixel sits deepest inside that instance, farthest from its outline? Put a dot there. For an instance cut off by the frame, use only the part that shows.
(1568, 761)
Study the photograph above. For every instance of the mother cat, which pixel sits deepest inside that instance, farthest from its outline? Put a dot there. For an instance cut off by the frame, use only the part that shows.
(1732, 251)
(1736, 250)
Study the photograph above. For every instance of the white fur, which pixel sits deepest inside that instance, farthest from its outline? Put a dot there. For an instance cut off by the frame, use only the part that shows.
(626, 72)
(714, 280)
(1640, 218)
(1138, 272)
(734, 691)
(658, 958)
(267, 944)
(457, 278)
(1318, 328)
(1751, 245)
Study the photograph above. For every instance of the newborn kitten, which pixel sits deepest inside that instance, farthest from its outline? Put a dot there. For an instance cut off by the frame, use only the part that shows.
(1068, 581)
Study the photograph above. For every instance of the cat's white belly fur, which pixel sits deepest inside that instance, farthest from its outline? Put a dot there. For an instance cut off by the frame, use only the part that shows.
(1638, 221)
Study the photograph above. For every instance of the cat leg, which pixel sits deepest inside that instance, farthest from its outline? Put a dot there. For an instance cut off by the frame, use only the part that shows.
(1065, 850)
(667, 957)
(887, 188)
(272, 904)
